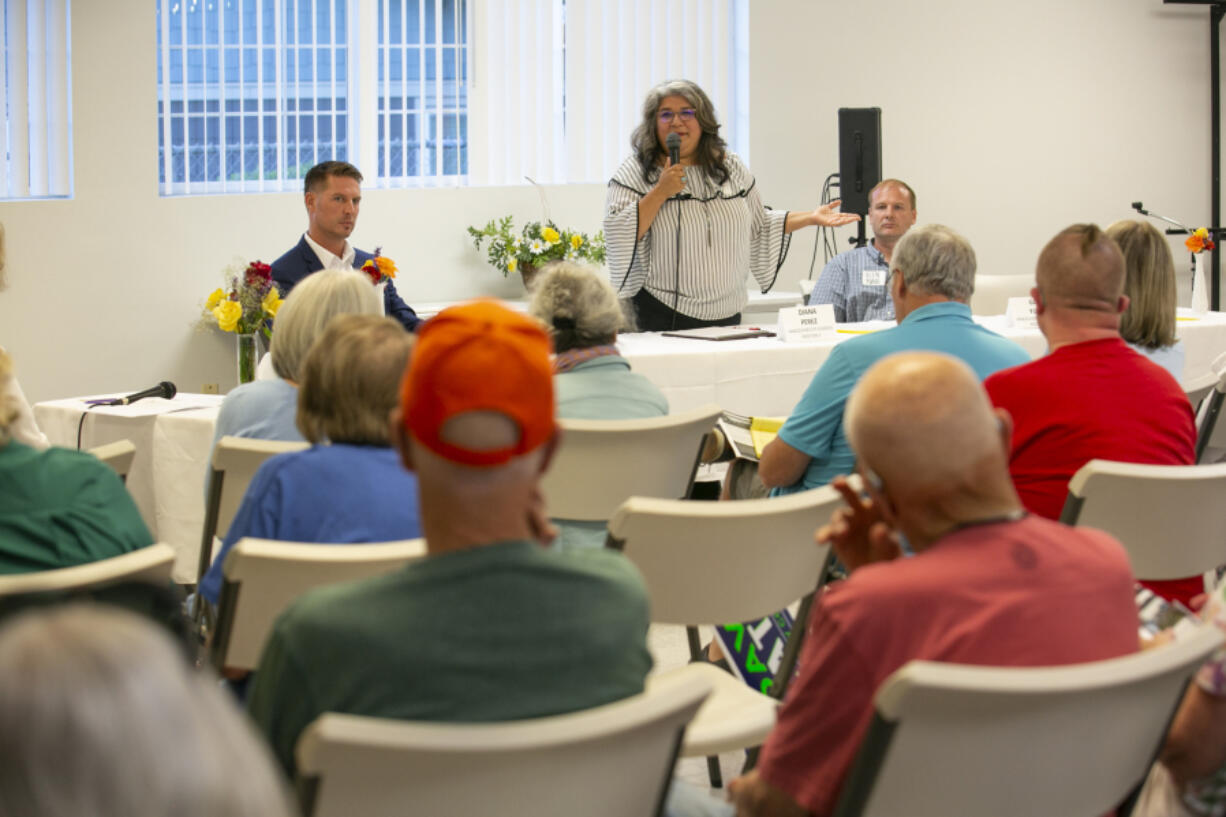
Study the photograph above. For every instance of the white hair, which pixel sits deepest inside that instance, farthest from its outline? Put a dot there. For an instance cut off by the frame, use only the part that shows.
(101, 714)
(936, 260)
(314, 301)
(578, 306)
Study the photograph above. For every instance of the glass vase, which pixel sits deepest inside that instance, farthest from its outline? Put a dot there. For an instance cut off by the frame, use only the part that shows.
(248, 356)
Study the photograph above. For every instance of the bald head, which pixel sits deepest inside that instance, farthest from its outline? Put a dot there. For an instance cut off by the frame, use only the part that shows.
(921, 419)
(1081, 269)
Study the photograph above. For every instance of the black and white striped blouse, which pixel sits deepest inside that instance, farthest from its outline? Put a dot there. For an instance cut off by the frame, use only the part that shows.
(724, 232)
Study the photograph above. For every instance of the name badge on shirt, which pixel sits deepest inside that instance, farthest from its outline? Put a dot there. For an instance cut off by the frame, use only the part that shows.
(874, 277)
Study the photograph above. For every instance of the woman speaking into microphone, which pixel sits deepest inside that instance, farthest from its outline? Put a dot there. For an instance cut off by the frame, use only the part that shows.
(685, 222)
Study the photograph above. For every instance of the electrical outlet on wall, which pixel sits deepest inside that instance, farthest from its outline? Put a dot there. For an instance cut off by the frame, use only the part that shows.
(208, 388)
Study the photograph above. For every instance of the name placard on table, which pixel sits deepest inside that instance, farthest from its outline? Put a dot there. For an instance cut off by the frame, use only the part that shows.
(1021, 314)
(801, 323)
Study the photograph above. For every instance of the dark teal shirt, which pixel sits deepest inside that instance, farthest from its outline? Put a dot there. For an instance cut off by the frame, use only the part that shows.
(501, 632)
(60, 508)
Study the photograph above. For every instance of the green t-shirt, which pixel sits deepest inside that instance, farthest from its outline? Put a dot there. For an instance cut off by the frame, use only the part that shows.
(502, 632)
(60, 508)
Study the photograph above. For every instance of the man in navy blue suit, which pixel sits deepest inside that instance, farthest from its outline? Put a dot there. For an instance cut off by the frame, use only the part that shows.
(333, 193)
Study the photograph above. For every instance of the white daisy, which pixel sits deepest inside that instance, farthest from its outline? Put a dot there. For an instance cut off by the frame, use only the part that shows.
(537, 246)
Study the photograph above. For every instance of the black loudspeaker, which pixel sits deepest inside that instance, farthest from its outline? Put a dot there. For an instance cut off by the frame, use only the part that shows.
(859, 156)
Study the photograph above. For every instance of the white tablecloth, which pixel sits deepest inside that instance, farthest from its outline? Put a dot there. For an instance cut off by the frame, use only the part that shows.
(765, 376)
(172, 439)
(762, 376)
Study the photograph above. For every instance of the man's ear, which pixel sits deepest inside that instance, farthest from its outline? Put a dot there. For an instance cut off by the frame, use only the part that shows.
(898, 283)
(309, 201)
(1122, 307)
(1039, 306)
(400, 437)
(1004, 424)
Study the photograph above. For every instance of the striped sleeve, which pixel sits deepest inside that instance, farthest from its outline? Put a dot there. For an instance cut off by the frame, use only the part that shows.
(628, 260)
(768, 242)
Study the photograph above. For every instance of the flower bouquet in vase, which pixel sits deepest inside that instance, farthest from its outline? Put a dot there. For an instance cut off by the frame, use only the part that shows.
(1197, 243)
(535, 245)
(244, 306)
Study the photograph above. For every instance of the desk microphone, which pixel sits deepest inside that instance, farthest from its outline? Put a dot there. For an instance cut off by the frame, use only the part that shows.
(165, 389)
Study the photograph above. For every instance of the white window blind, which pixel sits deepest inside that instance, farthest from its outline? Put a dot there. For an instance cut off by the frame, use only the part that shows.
(558, 85)
(36, 98)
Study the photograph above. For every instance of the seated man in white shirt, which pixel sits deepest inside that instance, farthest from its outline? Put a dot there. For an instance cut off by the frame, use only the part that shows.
(333, 192)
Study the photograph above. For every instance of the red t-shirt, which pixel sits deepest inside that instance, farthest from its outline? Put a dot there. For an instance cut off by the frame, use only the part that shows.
(1098, 399)
(1025, 593)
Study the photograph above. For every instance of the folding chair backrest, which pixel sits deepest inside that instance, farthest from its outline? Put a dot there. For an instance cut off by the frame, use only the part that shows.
(601, 463)
(1211, 429)
(953, 739)
(149, 564)
(235, 461)
(611, 761)
(715, 562)
(263, 577)
(1170, 518)
(118, 455)
(992, 292)
(1198, 388)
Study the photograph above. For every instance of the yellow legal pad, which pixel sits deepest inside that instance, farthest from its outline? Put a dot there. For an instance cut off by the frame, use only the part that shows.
(762, 430)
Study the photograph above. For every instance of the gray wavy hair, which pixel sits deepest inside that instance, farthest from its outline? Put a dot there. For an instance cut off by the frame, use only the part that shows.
(712, 149)
(314, 301)
(936, 260)
(577, 305)
(101, 714)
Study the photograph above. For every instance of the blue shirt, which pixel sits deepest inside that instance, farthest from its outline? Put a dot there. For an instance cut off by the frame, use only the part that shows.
(604, 388)
(843, 284)
(815, 427)
(328, 493)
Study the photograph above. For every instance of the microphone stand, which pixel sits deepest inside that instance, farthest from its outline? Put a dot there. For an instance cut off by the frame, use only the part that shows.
(1216, 234)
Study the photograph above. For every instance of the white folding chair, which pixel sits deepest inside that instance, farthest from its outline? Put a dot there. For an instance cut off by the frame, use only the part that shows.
(150, 564)
(601, 463)
(1170, 518)
(720, 562)
(1198, 388)
(235, 461)
(263, 577)
(1210, 434)
(1075, 740)
(612, 761)
(118, 455)
(992, 292)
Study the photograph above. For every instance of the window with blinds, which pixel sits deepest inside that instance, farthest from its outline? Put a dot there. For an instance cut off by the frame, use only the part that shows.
(252, 93)
(35, 99)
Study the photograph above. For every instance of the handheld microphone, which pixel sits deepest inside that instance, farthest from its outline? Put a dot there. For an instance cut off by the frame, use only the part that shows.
(165, 389)
(673, 143)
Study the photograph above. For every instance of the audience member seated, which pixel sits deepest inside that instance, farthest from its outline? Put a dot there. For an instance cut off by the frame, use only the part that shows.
(1091, 396)
(265, 409)
(489, 625)
(102, 714)
(348, 486)
(23, 428)
(592, 380)
(1148, 324)
(857, 282)
(988, 584)
(59, 507)
(931, 280)
(1190, 778)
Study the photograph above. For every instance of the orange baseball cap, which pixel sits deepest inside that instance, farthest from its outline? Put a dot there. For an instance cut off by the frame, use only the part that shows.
(479, 356)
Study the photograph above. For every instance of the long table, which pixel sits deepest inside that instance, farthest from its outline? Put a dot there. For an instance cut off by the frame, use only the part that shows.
(761, 376)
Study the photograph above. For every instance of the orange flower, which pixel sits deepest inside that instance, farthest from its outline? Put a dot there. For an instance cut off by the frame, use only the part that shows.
(1199, 241)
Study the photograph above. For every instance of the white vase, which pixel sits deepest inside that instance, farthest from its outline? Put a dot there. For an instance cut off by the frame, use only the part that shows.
(1200, 283)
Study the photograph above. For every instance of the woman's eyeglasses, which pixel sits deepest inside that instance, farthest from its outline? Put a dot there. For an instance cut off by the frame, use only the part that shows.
(667, 117)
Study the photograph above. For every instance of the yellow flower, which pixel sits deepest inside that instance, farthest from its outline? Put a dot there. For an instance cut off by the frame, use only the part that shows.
(550, 235)
(576, 241)
(227, 314)
(271, 302)
(215, 298)
(512, 265)
(386, 266)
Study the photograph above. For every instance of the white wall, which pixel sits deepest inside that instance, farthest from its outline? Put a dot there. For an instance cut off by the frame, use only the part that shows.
(1010, 121)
